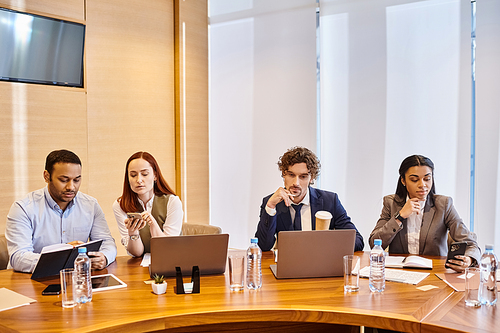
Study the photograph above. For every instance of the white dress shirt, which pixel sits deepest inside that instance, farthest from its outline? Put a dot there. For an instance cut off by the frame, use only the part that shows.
(37, 221)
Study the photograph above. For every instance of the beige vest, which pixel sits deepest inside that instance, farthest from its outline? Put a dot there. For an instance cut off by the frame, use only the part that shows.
(159, 212)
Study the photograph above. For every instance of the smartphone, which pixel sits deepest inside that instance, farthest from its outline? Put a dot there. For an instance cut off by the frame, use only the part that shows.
(52, 289)
(134, 216)
(456, 248)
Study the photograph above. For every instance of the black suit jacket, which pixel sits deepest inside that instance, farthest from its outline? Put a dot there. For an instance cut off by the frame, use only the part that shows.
(270, 226)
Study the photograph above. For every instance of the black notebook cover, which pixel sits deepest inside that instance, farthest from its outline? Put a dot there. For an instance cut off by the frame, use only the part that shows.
(51, 263)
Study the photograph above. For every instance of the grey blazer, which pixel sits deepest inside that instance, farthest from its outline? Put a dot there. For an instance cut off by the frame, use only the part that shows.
(440, 217)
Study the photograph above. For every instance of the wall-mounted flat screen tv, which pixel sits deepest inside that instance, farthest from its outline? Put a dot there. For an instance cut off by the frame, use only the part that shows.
(37, 49)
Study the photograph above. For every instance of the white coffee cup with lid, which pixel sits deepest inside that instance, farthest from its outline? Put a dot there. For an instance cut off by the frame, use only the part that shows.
(323, 219)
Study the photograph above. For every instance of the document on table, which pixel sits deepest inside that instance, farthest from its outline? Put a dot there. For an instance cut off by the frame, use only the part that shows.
(408, 262)
(10, 299)
(455, 280)
(146, 260)
(397, 275)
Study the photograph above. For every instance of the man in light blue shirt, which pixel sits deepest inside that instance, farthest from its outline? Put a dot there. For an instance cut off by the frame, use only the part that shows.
(57, 214)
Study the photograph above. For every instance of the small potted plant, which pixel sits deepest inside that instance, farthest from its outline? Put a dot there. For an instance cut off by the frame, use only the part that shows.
(159, 285)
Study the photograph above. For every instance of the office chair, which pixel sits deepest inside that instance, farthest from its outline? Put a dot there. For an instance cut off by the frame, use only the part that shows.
(199, 229)
(4, 253)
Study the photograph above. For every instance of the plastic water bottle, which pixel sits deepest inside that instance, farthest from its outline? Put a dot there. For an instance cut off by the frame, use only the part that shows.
(488, 282)
(377, 267)
(83, 286)
(254, 270)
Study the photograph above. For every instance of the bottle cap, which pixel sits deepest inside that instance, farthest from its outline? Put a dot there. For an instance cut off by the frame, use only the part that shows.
(254, 240)
(377, 242)
(82, 249)
(488, 247)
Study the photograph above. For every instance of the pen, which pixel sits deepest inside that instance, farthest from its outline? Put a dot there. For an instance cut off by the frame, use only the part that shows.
(449, 284)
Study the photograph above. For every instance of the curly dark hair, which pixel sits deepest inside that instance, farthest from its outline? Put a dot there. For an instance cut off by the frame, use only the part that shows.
(300, 155)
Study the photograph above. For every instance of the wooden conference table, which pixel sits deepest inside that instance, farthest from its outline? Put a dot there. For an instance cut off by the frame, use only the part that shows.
(294, 305)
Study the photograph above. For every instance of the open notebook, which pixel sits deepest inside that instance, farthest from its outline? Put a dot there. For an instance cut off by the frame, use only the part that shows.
(408, 262)
(59, 256)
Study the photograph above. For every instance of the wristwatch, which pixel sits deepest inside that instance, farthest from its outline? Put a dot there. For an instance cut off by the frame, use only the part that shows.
(134, 237)
(399, 217)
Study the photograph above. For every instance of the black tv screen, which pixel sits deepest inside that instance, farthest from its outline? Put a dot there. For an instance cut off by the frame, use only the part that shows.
(37, 49)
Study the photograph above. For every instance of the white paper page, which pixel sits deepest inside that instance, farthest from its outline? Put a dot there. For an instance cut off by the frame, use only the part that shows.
(393, 261)
(396, 275)
(146, 260)
(56, 247)
(63, 246)
(10, 299)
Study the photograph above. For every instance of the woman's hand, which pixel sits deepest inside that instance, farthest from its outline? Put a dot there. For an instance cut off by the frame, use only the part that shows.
(411, 206)
(134, 225)
(154, 227)
(459, 265)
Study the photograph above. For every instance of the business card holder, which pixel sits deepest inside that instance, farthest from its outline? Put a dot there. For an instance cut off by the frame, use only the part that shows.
(187, 288)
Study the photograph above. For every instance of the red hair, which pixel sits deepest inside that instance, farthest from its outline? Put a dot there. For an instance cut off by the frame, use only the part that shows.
(129, 201)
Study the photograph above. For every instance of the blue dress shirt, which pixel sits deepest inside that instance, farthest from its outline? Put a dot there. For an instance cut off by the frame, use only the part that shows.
(37, 221)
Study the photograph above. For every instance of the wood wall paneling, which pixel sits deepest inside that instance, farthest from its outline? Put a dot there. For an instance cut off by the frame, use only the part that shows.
(36, 119)
(191, 22)
(72, 10)
(128, 103)
(130, 86)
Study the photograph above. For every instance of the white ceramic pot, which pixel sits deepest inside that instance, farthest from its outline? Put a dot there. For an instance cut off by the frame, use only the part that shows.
(159, 289)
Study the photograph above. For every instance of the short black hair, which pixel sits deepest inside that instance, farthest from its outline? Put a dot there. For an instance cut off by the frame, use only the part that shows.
(60, 156)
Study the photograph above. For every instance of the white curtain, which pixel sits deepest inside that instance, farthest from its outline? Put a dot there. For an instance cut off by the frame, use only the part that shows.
(487, 212)
(262, 102)
(395, 80)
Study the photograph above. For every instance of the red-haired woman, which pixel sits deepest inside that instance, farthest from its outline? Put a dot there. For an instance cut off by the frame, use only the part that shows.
(145, 191)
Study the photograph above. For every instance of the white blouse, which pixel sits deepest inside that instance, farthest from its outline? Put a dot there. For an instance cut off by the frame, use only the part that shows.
(413, 233)
(173, 221)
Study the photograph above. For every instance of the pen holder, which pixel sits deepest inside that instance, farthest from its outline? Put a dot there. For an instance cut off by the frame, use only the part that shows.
(194, 285)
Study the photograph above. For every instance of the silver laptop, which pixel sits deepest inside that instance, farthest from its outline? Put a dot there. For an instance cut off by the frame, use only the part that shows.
(308, 254)
(208, 252)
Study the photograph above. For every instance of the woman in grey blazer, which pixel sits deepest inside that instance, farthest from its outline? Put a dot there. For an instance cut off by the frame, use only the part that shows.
(416, 220)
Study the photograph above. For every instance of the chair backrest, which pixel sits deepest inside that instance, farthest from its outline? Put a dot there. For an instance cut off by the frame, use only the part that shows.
(200, 229)
(4, 253)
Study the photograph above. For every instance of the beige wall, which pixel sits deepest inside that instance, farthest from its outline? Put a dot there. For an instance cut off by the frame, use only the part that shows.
(127, 105)
(191, 61)
(36, 119)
